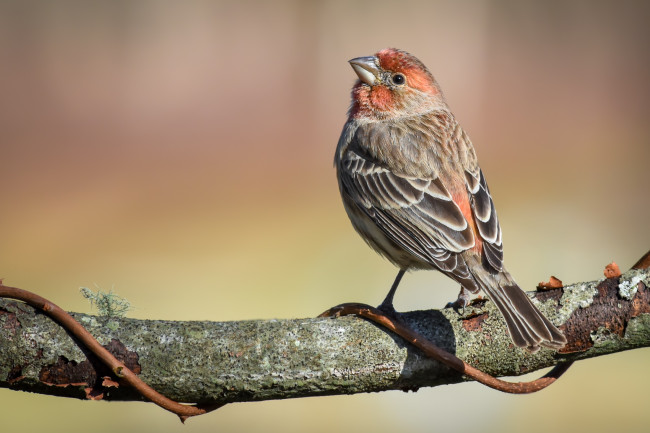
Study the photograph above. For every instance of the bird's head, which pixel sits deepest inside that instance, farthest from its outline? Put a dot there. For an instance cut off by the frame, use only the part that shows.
(393, 84)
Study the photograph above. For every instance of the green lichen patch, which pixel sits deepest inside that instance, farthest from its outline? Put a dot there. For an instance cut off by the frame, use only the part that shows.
(629, 283)
(576, 296)
(107, 303)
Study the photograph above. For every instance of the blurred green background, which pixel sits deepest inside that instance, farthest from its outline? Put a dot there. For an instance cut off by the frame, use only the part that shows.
(181, 154)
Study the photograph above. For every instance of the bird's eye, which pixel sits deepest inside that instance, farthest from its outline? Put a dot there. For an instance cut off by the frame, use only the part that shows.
(398, 79)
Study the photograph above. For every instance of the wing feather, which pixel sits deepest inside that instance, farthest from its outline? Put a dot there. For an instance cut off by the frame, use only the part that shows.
(419, 215)
(485, 216)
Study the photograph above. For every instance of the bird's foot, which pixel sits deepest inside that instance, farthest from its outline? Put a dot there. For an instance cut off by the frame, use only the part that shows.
(389, 310)
(459, 304)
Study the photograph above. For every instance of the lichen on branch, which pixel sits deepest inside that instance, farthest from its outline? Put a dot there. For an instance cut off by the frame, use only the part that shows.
(223, 362)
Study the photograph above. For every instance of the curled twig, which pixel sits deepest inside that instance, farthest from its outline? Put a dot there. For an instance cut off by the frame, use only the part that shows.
(116, 366)
(434, 352)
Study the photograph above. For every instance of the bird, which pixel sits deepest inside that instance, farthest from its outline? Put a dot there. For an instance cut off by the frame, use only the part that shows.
(412, 187)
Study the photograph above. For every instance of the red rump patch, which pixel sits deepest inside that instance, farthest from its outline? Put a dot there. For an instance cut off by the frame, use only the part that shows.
(462, 201)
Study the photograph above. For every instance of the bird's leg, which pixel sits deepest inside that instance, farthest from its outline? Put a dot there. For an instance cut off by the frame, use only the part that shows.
(387, 305)
(462, 301)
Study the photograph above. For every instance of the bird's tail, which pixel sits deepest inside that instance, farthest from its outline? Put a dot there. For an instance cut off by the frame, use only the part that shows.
(527, 325)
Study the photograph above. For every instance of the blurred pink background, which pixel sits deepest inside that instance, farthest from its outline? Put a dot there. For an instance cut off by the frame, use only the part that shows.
(181, 154)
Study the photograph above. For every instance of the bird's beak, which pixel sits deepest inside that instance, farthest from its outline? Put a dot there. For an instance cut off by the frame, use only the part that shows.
(366, 68)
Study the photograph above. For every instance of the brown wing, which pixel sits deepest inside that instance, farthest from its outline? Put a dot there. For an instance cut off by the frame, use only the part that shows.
(417, 214)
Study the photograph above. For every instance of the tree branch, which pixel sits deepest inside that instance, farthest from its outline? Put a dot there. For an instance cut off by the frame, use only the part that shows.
(223, 362)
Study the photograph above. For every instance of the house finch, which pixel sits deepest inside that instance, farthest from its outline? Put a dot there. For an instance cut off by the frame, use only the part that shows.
(413, 189)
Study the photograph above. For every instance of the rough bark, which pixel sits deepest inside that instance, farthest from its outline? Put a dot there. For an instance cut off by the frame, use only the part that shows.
(227, 362)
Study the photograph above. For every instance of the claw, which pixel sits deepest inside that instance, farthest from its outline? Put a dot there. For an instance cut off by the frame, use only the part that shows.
(460, 303)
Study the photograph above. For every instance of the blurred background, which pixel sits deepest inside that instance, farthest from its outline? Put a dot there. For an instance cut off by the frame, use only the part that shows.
(180, 153)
